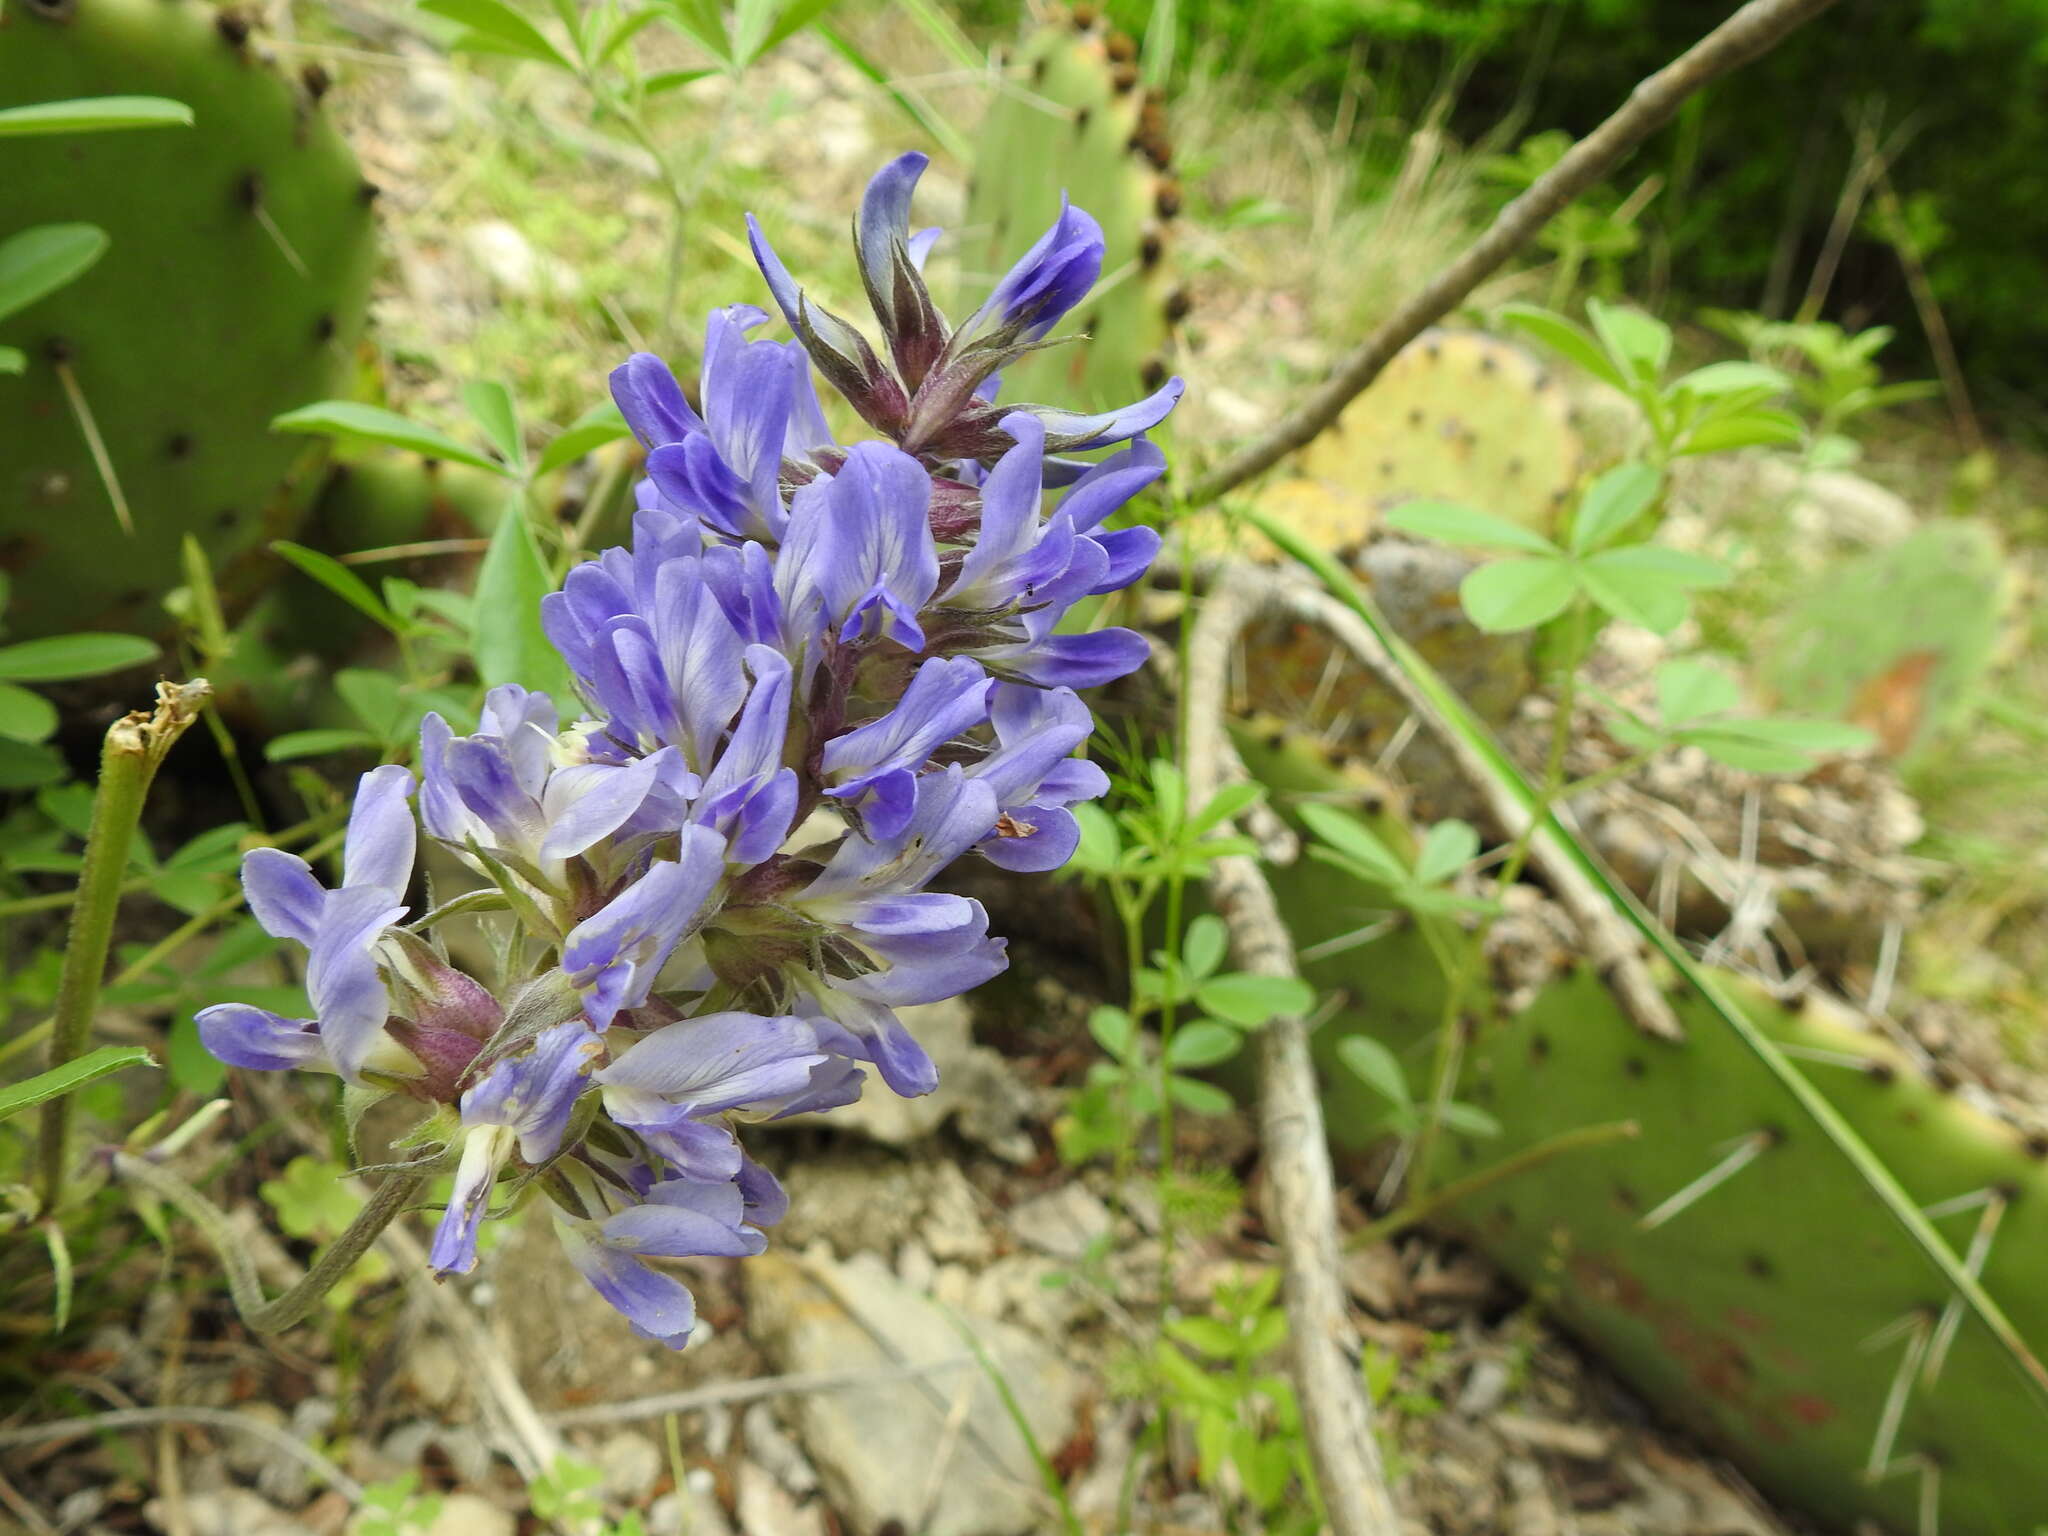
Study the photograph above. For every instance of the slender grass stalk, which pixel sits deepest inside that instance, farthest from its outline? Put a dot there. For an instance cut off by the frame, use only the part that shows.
(135, 748)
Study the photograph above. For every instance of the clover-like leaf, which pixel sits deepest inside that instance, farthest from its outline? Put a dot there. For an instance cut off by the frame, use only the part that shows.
(1508, 595)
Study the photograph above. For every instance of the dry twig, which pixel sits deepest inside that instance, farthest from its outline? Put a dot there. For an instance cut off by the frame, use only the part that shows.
(1336, 1413)
(1754, 29)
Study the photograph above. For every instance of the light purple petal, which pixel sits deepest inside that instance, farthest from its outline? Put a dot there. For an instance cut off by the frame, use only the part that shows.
(245, 1036)
(658, 1306)
(284, 894)
(379, 850)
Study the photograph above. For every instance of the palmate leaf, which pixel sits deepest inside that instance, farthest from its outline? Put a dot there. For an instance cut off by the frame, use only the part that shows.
(1457, 716)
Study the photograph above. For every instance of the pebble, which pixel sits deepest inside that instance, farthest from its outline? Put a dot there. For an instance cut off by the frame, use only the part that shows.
(226, 1512)
(632, 1464)
(1061, 1222)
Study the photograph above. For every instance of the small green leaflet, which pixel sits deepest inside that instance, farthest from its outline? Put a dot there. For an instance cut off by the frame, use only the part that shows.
(73, 1075)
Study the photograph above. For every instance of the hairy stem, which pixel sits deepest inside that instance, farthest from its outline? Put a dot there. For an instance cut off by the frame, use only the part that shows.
(134, 749)
(1754, 29)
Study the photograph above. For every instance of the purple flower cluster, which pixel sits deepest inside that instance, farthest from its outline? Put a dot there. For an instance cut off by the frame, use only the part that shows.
(819, 675)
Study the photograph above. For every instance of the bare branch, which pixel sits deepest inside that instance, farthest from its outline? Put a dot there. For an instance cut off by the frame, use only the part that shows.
(1753, 30)
(1336, 1413)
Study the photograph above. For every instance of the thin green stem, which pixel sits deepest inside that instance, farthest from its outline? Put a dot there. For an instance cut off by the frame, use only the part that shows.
(1420, 1207)
(1560, 738)
(335, 1261)
(1443, 1075)
(134, 749)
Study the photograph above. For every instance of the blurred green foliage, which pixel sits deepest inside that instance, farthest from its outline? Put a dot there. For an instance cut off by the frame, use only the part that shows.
(1950, 92)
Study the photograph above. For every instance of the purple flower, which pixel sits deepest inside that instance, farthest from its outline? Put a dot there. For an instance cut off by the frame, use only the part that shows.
(614, 955)
(860, 561)
(759, 410)
(1035, 778)
(523, 1101)
(876, 765)
(1047, 281)
(668, 1084)
(339, 928)
(676, 1218)
(937, 399)
(750, 798)
(500, 790)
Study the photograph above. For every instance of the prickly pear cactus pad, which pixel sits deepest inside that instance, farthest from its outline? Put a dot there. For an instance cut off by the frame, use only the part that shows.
(1898, 639)
(1729, 1263)
(1457, 416)
(1079, 123)
(233, 290)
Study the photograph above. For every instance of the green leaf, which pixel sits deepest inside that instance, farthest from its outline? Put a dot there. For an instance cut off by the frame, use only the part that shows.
(39, 261)
(1251, 1001)
(1198, 1097)
(1637, 343)
(1113, 1031)
(73, 1075)
(1611, 503)
(665, 80)
(340, 580)
(1448, 848)
(1355, 840)
(1203, 1044)
(797, 15)
(352, 420)
(1509, 595)
(25, 765)
(1100, 846)
(1230, 801)
(1375, 1066)
(94, 114)
(492, 408)
(1169, 790)
(25, 716)
(1206, 1335)
(1203, 946)
(629, 26)
(1732, 378)
(1773, 745)
(13, 360)
(1470, 1120)
(1565, 338)
(510, 645)
(1691, 689)
(1467, 527)
(1751, 429)
(1647, 584)
(590, 431)
(293, 745)
(511, 32)
(61, 657)
(705, 23)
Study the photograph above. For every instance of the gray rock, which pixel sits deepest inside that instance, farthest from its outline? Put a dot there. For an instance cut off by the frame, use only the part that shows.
(1061, 1222)
(693, 1510)
(896, 1450)
(772, 1449)
(631, 1464)
(765, 1508)
(225, 1512)
(466, 1514)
